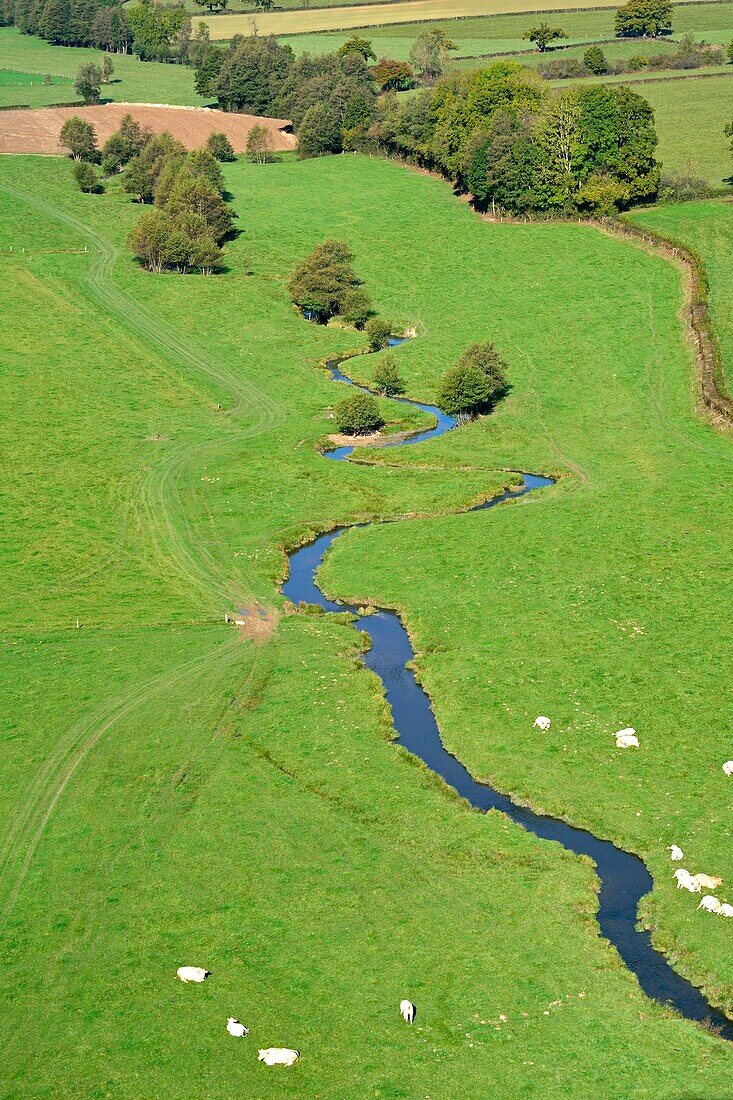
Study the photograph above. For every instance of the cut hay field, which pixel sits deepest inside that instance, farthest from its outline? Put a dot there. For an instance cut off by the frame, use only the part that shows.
(133, 81)
(175, 793)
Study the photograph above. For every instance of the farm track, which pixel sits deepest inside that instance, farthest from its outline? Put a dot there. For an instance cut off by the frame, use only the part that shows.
(159, 500)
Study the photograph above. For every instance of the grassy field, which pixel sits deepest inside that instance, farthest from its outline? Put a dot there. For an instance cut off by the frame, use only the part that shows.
(133, 81)
(707, 227)
(503, 33)
(173, 793)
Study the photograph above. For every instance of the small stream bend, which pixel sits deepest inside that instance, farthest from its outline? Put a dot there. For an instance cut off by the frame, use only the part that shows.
(624, 879)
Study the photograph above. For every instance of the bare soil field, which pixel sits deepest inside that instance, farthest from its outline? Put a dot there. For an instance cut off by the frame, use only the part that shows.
(37, 131)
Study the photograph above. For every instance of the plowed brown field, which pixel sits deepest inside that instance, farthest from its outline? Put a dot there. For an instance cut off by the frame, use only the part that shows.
(37, 131)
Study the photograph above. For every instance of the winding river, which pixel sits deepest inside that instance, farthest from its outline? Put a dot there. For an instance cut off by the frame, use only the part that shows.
(624, 879)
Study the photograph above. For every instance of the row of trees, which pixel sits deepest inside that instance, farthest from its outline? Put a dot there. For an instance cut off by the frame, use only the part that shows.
(500, 134)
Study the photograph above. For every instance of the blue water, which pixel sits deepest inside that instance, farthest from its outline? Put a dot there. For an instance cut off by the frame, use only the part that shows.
(624, 879)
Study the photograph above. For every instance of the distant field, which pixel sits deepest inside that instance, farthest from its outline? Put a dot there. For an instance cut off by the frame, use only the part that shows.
(133, 80)
(503, 33)
(409, 11)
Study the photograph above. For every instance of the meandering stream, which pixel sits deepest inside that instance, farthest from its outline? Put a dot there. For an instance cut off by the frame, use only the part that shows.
(624, 879)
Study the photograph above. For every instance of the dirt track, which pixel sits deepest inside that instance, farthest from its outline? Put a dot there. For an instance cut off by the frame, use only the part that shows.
(37, 131)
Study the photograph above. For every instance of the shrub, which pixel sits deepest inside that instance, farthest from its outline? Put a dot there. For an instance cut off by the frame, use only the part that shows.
(85, 176)
(594, 60)
(220, 147)
(357, 307)
(386, 379)
(358, 415)
(562, 68)
(684, 187)
(379, 331)
(638, 62)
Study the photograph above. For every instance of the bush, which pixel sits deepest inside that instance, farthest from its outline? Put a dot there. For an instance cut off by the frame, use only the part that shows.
(562, 68)
(357, 307)
(685, 187)
(85, 176)
(638, 62)
(386, 379)
(358, 415)
(379, 332)
(594, 60)
(220, 147)
(474, 384)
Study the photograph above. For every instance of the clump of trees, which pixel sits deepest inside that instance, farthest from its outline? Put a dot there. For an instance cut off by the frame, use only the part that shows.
(325, 285)
(358, 415)
(644, 19)
(152, 30)
(501, 135)
(543, 34)
(80, 138)
(429, 53)
(386, 379)
(393, 76)
(474, 384)
(125, 143)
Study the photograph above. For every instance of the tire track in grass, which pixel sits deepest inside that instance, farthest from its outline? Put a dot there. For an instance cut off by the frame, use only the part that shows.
(160, 500)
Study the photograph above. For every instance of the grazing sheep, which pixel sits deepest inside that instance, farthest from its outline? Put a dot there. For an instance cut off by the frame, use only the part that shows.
(542, 723)
(278, 1056)
(236, 1029)
(725, 910)
(676, 852)
(710, 903)
(685, 881)
(407, 1009)
(708, 881)
(728, 767)
(627, 739)
(192, 973)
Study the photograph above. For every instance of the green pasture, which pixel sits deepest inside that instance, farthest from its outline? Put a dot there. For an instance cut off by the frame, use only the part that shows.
(173, 793)
(133, 81)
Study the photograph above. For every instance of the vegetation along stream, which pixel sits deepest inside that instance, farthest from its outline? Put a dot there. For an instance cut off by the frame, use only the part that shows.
(624, 879)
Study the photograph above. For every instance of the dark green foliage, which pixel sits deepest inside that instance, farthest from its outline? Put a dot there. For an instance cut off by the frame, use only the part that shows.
(358, 415)
(251, 75)
(357, 307)
(378, 331)
(644, 18)
(320, 284)
(319, 132)
(386, 379)
(360, 46)
(213, 5)
(331, 79)
(474, 384)
(155, 28)
(85, 176)
(594, 60)
(141, 174)
(125, 143)
(88, 82)
(543, 34)
(80, 138)
(108, 68)
(208, 66)
(395, 76)
(220, 147)
(66, 22)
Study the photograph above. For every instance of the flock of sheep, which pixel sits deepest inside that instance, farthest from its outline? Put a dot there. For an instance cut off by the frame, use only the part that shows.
(627, 739)
(271, 1056)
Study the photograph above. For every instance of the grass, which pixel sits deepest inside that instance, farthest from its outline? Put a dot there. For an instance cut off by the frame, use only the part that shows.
(133, 81)
(172, 793)
(707, 228)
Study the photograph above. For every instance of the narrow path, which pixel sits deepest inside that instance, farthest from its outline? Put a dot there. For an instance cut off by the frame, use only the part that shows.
(624, 879)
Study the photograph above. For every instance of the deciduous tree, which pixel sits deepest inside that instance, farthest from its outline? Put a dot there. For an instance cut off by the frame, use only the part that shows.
(80, 138)
(358, 415)
(88, 82)
(543, 34)
(644, 18)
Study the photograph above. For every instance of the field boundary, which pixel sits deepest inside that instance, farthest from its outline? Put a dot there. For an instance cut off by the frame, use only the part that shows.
(712, 388)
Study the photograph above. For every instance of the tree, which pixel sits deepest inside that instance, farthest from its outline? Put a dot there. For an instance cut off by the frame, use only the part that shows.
(378, 331)
(486, 358)
(107, 68)
(80, 138)
(358, 415)
(264, 5)
(85, 176)
(395, 76)
(386, 379)
(543, 34)
(54, 22)
(463, 391)
(429, 53)
(220, 147)
(155, 27)
(357, 307)
(154, 241)
(125, 143)
(212, 5)
(320, 283)
(141, 174)
(594, 60)
(644, 18)
(260, 145)
(251, 75)
(358, 45)
(208, 67)
(196, 195)
(728, 131)
(319, 133)
(88, 82)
